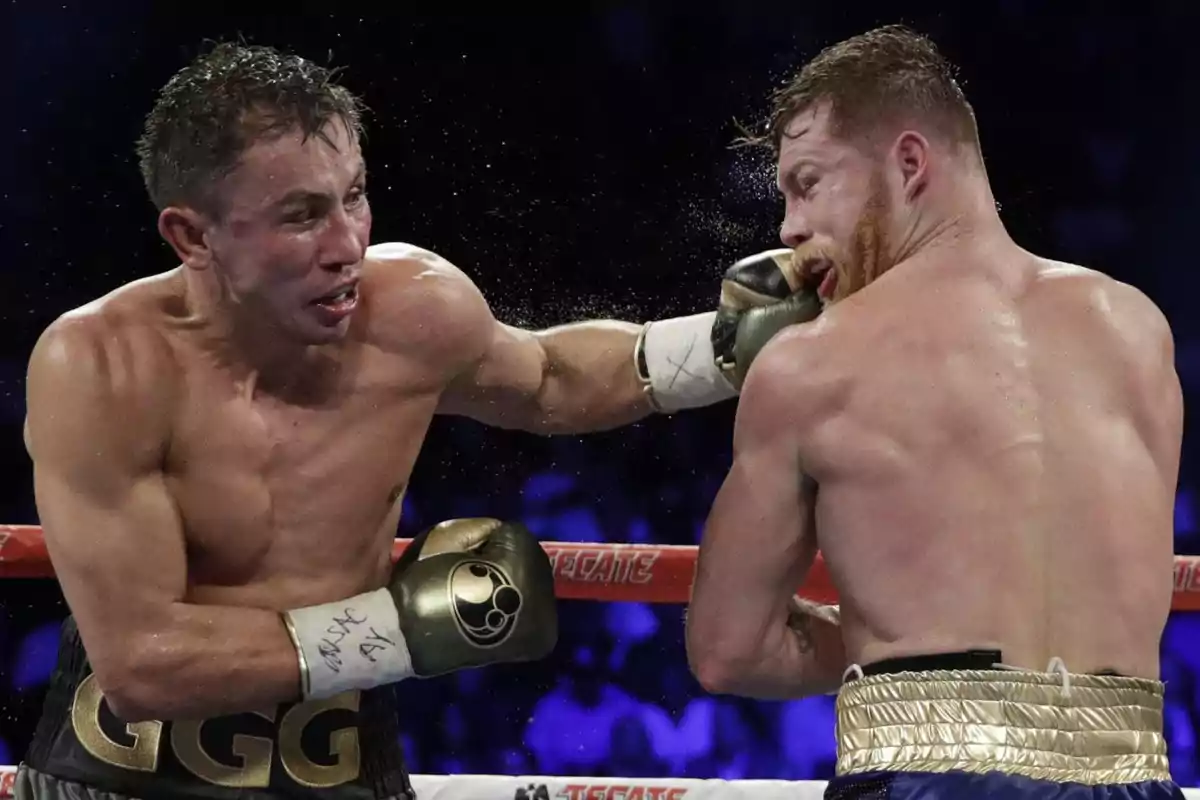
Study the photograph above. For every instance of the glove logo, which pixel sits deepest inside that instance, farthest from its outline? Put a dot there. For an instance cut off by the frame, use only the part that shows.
(485, 603)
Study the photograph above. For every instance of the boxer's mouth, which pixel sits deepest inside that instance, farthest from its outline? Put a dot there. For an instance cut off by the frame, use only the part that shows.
(344, 296)
(828, 285)
(821, 278)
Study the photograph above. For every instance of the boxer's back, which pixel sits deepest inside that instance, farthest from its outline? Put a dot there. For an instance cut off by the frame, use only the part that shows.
(998, 463)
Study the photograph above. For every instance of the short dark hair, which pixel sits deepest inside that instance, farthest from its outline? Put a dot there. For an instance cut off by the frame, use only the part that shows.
(891, 73)
(224, 101)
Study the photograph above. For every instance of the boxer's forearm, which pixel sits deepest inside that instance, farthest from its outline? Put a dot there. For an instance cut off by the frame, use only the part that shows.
(793, 663)
(589, 376)
(809, 659)
(591, 381)
(204, 661)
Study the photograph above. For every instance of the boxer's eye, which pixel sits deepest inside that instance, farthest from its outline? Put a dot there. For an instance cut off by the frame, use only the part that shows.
(302, 215)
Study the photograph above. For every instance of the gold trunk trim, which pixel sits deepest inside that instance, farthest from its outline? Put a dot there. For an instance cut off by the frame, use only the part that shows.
(1087, 729)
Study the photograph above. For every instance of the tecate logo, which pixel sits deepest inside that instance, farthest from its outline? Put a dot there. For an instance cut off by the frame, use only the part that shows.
(600, 791)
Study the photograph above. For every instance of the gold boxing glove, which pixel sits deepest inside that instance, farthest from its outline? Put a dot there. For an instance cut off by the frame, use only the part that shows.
(465, 593)
(760, 296)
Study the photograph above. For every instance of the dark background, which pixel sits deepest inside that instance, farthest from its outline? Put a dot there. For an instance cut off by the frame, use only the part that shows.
(576, 164)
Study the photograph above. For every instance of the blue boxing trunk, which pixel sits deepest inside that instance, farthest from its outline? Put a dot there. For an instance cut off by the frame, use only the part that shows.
(916, 733)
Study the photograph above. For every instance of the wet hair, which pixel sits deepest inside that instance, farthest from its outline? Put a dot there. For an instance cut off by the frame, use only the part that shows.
(220, 104)
(890, 75)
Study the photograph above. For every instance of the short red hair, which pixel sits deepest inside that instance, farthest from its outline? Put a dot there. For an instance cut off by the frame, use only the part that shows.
(888, 75)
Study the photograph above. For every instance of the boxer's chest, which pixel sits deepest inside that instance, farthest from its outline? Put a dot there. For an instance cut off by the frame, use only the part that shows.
(278, 485)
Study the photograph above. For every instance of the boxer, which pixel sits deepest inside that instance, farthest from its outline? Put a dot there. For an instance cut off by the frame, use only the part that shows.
(221, 451)
(982, 442)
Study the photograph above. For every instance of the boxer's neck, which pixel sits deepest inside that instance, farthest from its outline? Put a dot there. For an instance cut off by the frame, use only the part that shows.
(259, 348)
(954, 213)
(247, 344)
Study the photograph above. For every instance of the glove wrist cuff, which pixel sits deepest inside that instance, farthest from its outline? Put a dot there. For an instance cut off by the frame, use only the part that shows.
(354, 643)
(675, 361)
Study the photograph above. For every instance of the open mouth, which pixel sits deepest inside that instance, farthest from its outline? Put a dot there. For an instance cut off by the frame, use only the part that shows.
(341, 300)
(822, 278)
(828, 285)
(337, 305)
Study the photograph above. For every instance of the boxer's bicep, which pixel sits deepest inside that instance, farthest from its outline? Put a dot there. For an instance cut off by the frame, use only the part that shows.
(758, 542)
(502, 386)
(568, 379)
(572, 378)
(495, 371)
(490, 371)
(113, 532)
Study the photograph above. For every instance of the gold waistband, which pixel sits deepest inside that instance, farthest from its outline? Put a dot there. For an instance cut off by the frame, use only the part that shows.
(1079, 728)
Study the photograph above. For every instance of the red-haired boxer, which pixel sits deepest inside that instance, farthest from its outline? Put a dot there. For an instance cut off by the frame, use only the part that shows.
(983, 443)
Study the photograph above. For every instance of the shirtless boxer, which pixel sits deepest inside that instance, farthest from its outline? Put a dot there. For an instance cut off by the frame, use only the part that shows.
(995, 437)
(220, 453)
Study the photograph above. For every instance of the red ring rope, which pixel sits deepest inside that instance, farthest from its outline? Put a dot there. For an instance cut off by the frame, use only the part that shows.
(640, 573)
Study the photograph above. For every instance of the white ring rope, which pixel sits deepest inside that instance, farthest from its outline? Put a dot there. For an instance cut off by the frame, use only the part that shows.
(535, 787)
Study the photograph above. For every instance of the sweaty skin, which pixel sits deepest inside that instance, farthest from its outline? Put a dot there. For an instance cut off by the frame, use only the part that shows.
(184, 502)
(186, 498)
(995, 438)
(997, 449)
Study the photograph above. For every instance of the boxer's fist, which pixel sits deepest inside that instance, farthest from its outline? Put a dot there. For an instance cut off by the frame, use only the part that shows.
(819, 628)
(760, 296)
(801, 607)
(472, 592)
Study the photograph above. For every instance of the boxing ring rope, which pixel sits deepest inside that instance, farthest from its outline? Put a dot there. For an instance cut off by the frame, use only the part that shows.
(612, 573)
(639, 573)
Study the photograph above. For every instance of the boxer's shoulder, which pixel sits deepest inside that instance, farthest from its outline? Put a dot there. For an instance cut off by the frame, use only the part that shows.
(405, 273)
(794, 376)
(1100, 299)
(419, 298)
(120, 338)
(107, 360)
(1064, 279)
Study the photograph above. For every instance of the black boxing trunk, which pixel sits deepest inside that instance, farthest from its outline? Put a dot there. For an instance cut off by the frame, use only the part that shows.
(345, 747)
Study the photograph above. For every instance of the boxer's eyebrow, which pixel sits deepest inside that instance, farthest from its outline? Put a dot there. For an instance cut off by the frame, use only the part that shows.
(297, 197)
(300, 197)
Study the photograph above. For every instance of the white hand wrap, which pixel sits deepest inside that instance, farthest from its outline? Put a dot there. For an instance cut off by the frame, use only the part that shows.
(354, 643)
(680, 366)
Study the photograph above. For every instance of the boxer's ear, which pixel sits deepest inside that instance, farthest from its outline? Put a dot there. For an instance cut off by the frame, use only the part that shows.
(910, 153)
(184, 229)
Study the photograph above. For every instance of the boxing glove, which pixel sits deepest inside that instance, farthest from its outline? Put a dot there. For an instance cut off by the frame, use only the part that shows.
(693, 361)
(760, 296)
(465, 593)
(473, 592)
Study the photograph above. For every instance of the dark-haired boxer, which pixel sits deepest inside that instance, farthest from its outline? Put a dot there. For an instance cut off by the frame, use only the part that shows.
(220, 453)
